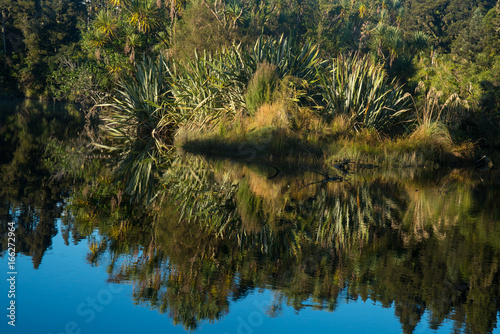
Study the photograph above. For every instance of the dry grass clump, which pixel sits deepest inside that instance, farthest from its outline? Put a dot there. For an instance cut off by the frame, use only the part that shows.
(435, 135)
(267, 115)
(341, 124)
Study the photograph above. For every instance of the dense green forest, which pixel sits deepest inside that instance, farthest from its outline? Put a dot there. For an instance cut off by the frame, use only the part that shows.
(422, 74)
(69, 49)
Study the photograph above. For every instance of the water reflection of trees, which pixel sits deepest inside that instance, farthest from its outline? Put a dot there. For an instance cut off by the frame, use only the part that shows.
(223, 230)
(219, 230)
(29, 195)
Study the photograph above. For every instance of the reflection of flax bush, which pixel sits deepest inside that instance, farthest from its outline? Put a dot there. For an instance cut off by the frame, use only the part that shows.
(199, 198)
(351, 218)
(355, 241)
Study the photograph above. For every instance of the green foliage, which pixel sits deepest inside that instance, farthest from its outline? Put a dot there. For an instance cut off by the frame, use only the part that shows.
(261, 87)
(470, 42)
(204, 90)
(34, 32)
(140, 124)
(81, 82)
(442, 20)
(206, 27)
(358, 88)
(294, 59)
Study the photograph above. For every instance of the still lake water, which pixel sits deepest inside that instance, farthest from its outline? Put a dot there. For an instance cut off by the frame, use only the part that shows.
(234, 247)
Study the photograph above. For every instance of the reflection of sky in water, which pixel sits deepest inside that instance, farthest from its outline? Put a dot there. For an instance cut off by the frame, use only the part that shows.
(50, 298)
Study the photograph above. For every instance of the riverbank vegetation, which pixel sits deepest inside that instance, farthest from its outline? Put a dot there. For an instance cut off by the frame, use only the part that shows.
(387, 82)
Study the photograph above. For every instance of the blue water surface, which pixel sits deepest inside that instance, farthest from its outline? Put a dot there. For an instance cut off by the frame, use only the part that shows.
(68, 295)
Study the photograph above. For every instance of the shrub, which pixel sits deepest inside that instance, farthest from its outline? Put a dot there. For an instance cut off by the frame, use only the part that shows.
(359, 88)
(261, 87)
(139, 126)
(434, 135)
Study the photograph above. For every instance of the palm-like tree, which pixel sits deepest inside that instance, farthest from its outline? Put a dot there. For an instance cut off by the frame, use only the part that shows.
(143, 14)
(376, 42)
(399, 15)
(394, 43)
(97, 41)
(387, 42)
(106, 24)
(384, 16)
(419, 42)
(133, 41)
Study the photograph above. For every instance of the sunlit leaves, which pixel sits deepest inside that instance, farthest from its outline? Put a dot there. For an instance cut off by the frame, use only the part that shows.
(143, 14)
(139, 125)
(359, 88)
(291, 58)
(106, 24)
(98, 39)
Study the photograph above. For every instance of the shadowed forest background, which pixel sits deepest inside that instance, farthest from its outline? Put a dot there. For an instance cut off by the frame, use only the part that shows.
(71, 49)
